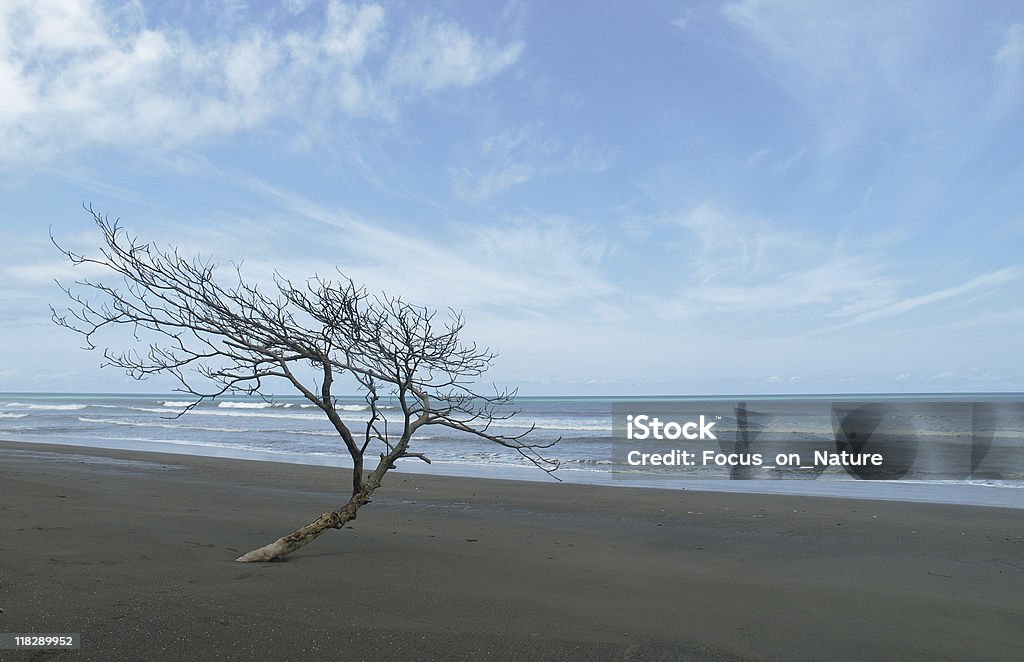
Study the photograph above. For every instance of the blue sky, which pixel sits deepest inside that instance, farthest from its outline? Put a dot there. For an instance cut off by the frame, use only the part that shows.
(624, 198)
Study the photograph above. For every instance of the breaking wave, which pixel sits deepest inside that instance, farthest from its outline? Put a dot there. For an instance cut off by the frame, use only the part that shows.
(153, 424)
(22, 405)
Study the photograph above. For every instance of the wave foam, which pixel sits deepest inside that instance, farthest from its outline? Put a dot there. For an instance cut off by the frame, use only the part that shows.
(47, 407)
(170, 426)
(234, 404)
(556, 424)
(245, 405)
(244, 414)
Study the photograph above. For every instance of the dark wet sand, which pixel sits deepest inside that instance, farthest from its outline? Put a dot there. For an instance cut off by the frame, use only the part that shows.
(135, 551)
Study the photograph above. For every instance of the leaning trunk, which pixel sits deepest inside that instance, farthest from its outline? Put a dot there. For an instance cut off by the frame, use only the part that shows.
(334, 519)
(362, 488)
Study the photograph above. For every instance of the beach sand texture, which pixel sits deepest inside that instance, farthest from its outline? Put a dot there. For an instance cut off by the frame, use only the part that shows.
(134, 551)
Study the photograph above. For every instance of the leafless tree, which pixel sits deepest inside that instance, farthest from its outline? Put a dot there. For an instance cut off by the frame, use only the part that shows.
(217, 339)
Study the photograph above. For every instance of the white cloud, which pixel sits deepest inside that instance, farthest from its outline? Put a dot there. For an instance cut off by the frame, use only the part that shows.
(1009, 62)
(757, 157)
(533, 264)
(45, 271)
(737, 263)
(352, 33)
(785, 164)
(514, 157)
(747, 265)
(853, 63)
(587, 157)
(494, 181)
(779, 165)
(443, 54)
(821, 39)
(983, 283)
(73, 74)
(297, 6)
(1012, 50)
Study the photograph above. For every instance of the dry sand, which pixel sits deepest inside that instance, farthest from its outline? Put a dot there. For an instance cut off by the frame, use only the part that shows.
(134, 551)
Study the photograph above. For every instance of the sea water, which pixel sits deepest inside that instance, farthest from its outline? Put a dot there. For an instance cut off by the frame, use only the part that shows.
(291, 429)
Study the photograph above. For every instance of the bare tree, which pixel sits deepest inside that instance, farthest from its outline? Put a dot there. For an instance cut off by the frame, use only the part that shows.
(216, 340)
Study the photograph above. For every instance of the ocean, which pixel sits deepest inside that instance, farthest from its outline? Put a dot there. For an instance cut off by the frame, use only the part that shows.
(290, 429)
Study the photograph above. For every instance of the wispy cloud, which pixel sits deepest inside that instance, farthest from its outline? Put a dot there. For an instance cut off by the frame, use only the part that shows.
(854, 64)
(73, 74)
(757, 157)
(745, 264)
(831, 43)
(514, 157)
(1011, 52)
(523, 264)
(493, 181)
(736, 264)
(1009, 64)
(442, 54)
(785, 164)
(986, 282)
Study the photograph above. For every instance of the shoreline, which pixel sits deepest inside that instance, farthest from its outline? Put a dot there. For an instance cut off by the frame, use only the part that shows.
(936, 492)
(134, 550)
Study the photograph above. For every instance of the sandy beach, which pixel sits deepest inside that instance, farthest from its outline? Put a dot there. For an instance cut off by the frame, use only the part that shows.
(134, 551)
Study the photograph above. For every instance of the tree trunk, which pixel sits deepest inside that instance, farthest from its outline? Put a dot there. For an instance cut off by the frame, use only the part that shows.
(334, 519)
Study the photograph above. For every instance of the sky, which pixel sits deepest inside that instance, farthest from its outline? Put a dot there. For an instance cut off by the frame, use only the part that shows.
(746, 197)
